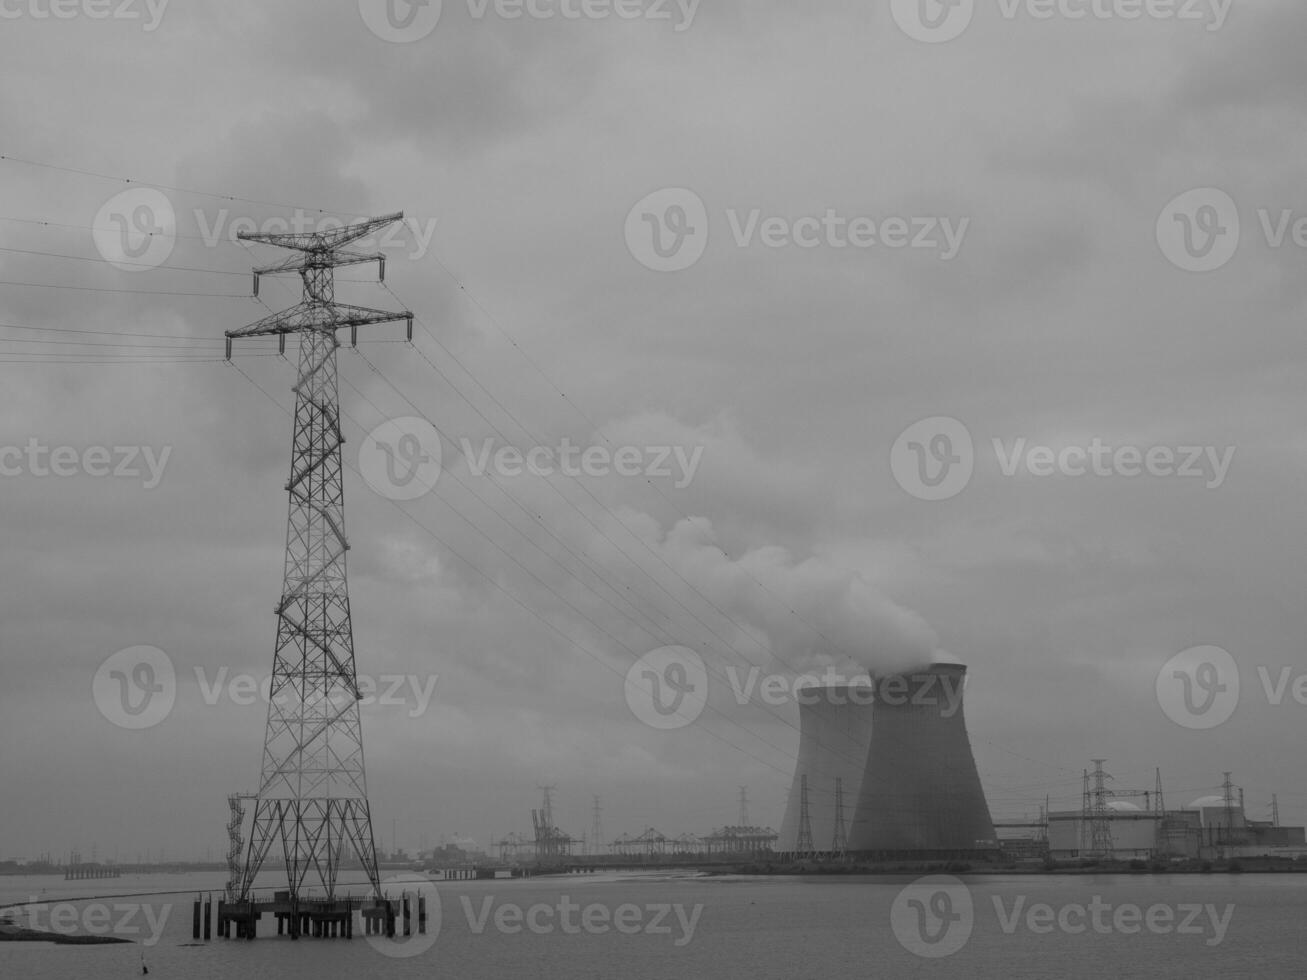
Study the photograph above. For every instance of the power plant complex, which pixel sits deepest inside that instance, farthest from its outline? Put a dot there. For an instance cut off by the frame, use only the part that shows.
(885, 766)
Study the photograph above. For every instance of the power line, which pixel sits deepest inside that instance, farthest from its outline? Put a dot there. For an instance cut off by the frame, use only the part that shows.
(489, 579)
(144, 265)
(656, 633)
(104, 289)
(165, 187)
(512, 341)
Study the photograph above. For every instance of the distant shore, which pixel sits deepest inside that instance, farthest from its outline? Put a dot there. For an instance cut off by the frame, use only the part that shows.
(1250, 865)
(18, 934)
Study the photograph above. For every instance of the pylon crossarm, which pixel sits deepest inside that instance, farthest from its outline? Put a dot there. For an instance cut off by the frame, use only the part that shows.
(326, 318)
(334, 260)
(284, 321)
(331, 240)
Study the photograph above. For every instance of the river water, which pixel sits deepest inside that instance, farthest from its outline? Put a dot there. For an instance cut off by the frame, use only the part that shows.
(718, 928)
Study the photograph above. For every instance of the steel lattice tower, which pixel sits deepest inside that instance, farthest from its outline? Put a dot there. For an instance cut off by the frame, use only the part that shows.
(840, 839)
(804, 843)
(1100, 843)
(313, 793)
(597, 831)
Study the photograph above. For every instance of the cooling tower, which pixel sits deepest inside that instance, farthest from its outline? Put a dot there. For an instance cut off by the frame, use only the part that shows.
(921, 791)
(834, 732)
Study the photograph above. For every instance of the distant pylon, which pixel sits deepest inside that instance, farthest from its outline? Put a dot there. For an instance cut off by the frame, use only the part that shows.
(596, 831)
(804, 843)
(744, 806)
(1100, 844)
(1228, 789)
(840, 839)
(1086, 814)
(313, 794)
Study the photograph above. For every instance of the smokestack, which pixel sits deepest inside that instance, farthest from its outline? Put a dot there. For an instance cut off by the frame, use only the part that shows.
(835, 726)
(920, 790)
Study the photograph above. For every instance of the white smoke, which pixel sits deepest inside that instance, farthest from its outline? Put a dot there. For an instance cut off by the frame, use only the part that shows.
(807, 614)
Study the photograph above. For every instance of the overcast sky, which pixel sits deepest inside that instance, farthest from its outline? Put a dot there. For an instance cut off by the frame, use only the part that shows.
(1038, 287)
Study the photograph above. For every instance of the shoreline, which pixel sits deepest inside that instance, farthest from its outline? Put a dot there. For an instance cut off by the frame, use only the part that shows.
(1238, 866)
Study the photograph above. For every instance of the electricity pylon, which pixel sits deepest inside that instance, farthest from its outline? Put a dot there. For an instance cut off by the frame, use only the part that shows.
(313, 794)
(840, 839)
(804, 843)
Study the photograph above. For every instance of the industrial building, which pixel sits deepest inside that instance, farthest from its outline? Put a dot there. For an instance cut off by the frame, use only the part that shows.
(888, 768)
(1209, 828)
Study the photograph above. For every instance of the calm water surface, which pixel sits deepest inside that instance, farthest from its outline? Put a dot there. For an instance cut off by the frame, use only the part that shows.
(743, 929)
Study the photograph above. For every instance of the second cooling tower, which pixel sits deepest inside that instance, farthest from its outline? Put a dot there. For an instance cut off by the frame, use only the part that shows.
(834, 733)
(920, 791)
